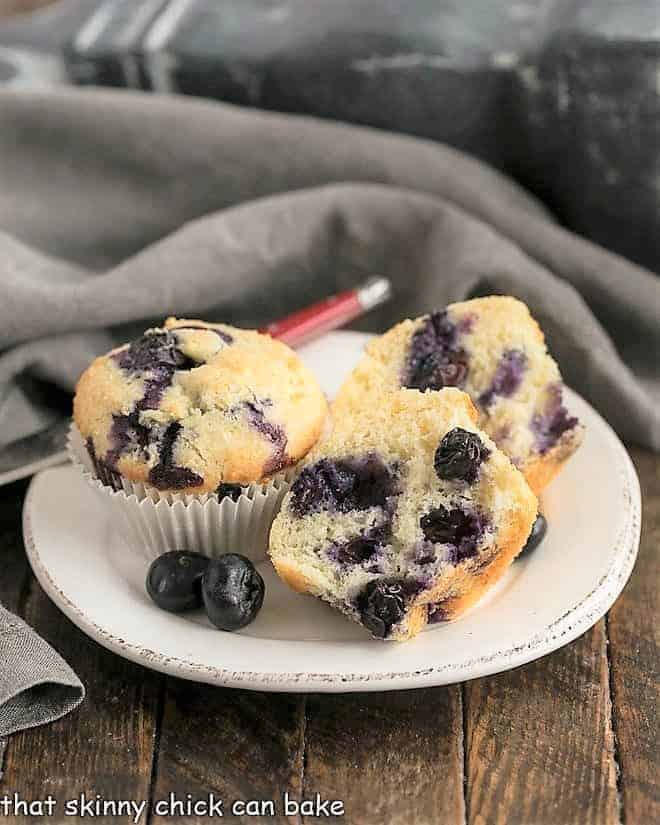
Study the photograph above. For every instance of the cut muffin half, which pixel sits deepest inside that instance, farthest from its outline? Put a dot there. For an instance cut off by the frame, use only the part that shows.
(405, 514)
(492, 349)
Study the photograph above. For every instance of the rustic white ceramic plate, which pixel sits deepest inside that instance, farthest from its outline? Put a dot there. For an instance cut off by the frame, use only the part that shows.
(300, 644)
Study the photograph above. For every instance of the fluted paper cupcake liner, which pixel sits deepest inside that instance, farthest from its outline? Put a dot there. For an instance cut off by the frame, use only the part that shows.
(154, 523)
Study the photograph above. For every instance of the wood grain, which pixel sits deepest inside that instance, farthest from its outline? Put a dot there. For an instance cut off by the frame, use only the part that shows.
(539, 742)
(238, 745)
(393, 758)
(106, 746)
(634, 631)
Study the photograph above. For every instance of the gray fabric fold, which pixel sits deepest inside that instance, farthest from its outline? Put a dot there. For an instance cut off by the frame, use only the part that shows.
(120, 208)
(117, 209)
(36, 685)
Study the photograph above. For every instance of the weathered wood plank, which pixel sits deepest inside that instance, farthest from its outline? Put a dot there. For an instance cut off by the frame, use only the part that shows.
(539, 742)
(106, 746)
(234, 744)
(394, 758)
(634, 631)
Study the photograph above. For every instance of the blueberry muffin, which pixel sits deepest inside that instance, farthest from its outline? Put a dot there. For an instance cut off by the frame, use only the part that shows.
(405, 514)
(195, 407)
(494, 350)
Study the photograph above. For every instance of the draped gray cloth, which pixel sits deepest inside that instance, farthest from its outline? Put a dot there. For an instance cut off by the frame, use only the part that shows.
(117, 209)
(36, 685)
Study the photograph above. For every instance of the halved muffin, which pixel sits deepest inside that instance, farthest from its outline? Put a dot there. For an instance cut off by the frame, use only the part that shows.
(405, 514)
(495, 351)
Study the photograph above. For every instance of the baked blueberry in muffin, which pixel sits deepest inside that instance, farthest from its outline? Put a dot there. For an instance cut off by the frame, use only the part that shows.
(492, 349)
(406, 513)
(195, 407)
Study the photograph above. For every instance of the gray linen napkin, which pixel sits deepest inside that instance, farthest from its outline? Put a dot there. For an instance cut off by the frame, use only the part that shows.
(118, 208)
(36, 685)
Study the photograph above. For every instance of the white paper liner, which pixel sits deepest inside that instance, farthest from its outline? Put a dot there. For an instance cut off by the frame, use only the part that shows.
(154, 523)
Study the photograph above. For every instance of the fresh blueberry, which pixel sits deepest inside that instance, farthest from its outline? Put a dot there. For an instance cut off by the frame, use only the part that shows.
(536, 535)
(381, 605)
(174, 580)
(459, 456)
(456, 527)
(233, 591)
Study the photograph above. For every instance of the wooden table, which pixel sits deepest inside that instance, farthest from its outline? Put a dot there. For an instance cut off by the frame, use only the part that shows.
(571, 738)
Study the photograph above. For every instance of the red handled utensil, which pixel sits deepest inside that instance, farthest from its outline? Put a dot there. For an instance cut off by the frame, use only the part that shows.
(330, 313)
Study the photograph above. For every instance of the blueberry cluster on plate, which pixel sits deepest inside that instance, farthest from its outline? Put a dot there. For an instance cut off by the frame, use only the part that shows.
(228, 587)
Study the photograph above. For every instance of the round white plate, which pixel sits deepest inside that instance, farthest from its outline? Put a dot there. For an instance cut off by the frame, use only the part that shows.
(299, 643)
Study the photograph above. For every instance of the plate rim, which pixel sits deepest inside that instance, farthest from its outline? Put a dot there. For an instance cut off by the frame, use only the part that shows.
(575, 621)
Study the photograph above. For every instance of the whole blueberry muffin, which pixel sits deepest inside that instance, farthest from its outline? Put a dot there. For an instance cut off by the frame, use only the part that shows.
(492, 349)
(405, 514)
(195, 407)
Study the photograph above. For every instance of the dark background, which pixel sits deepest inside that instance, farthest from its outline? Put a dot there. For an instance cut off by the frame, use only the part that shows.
(563, 95)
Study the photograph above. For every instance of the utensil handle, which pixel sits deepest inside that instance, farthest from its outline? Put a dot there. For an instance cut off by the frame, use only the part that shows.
(330, 313)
